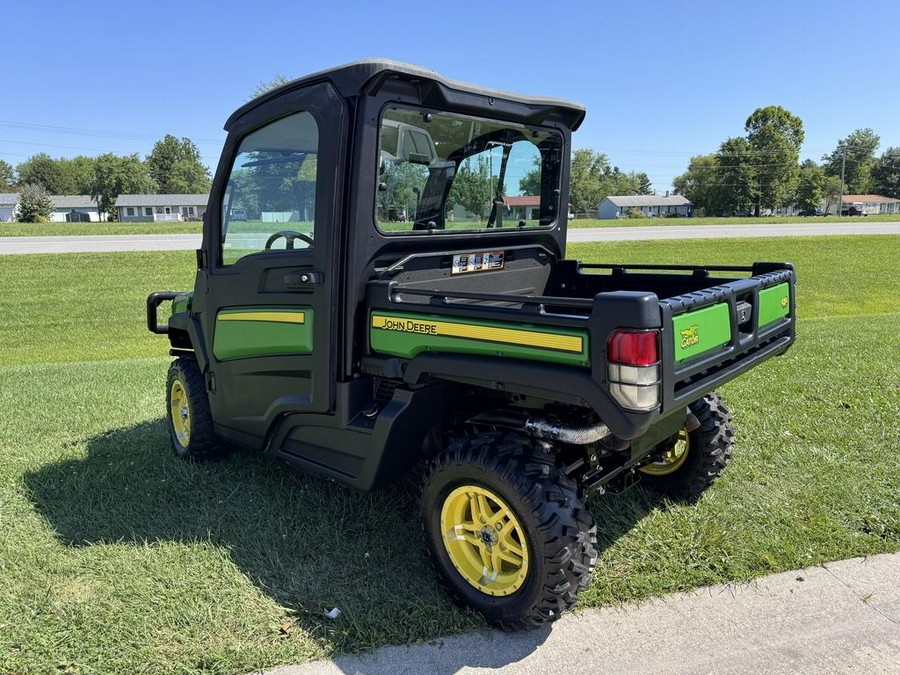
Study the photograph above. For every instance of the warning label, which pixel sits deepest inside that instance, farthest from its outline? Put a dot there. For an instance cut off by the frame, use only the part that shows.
(481, 261)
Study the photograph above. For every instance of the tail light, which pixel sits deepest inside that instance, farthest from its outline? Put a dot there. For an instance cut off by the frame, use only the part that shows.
(633, 370)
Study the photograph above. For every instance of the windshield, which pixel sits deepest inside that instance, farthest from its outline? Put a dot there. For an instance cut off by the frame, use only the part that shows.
(442, 171)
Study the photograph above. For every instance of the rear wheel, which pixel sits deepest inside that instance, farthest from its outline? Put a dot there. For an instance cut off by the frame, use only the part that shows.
(508, 532)
(187, 405)
(690, 461)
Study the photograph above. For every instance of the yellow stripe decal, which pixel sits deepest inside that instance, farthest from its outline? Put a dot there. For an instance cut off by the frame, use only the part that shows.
(275, 317)
(514, 336)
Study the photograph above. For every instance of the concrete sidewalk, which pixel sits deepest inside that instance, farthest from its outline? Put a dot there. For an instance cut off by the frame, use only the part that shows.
(841, 618)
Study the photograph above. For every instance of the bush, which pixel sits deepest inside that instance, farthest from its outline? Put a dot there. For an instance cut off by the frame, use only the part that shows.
(35, 205)
(670, 215)
(635, 213)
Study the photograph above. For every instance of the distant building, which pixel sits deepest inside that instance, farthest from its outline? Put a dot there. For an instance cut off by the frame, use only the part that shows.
(8, 203)
(527, 207)
(616, 206)
(74, 209)
(161, 208)
(871, 205)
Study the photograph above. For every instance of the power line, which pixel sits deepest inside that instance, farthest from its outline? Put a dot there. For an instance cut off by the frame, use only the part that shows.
(74, 131)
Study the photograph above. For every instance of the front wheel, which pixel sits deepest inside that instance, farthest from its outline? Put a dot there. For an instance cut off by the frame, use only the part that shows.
(690, 461)
(508, 532)
(189, 418)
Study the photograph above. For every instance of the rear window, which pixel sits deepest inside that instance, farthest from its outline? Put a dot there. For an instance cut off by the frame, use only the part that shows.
(443, 171)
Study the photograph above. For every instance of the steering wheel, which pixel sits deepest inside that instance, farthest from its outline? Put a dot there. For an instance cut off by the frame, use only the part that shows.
(289, 236)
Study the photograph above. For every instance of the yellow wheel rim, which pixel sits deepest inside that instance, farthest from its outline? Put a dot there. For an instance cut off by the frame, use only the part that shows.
(484, 539)
(673, 459)
(180, 412)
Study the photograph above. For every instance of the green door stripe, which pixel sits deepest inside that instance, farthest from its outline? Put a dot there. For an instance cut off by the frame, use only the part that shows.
(247, 332)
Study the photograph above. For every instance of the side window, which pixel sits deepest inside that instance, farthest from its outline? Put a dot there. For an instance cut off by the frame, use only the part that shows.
(270, 201)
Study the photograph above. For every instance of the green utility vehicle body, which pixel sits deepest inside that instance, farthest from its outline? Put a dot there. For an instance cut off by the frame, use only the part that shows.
(383, 275)
(347, 356)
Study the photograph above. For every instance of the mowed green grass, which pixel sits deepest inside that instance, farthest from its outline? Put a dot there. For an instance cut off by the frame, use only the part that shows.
(80, 229)
(731, 220)
(69, 229)
(116, 557)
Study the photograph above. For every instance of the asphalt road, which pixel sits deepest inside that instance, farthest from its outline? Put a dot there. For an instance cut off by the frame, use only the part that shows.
(180, 242)
(841, 618)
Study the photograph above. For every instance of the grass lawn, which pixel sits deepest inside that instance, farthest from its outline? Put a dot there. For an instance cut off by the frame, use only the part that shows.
(57, 229)
(765, 220)
(115, 557)
(73, 229)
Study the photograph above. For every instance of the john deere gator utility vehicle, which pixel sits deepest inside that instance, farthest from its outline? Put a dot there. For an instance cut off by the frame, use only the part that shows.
(383, 283)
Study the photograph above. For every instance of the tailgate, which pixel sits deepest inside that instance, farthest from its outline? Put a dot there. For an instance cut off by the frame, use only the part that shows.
(712, 335)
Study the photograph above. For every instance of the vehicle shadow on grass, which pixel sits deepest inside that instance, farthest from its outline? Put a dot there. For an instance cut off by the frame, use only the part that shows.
(306, 542)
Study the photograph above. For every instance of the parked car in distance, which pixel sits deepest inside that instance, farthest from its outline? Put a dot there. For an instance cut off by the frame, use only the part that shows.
(811, 212)
(853, 211)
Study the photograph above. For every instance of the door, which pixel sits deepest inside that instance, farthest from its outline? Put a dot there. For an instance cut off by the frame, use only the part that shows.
(268, 314)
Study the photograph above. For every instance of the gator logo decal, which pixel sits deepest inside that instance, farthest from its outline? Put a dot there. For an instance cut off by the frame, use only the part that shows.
(690, 336)
(784, 302)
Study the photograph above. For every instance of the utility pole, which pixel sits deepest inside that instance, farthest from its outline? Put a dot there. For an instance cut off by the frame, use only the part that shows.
(841, 198)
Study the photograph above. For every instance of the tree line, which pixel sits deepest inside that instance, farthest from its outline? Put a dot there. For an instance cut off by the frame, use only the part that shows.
(172, 167)
(592, 179)
(761, 169)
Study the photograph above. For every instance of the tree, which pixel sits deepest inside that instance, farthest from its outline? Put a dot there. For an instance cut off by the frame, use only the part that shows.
(176, 167)
(696, 184)
(586, 179)
(640, 183)
(7, 176)
(530, 183)
(885, 176)
(403, 184)
(811, 186)
(831, 191)
(35, 205)
(774, 136)
(860, 147)
(188, 177)
(77, 174)
(41, 169)
(473, 187)
(274, 83)
(114, 176)
(735, 186)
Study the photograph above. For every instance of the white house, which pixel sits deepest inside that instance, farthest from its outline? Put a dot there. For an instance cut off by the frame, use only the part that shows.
(8, 203)
(156, 208)
(74, 209)
(872, 205)
(650, 205)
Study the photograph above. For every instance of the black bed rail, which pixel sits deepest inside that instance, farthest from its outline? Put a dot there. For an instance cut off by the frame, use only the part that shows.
(538, 301)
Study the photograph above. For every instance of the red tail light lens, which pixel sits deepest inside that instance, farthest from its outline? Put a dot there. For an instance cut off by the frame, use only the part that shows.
(633, 348)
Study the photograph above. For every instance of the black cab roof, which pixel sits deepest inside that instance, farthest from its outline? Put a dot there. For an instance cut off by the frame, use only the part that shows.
(368, 77)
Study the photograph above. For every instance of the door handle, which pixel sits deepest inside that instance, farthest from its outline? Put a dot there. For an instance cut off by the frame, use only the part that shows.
(300, 279)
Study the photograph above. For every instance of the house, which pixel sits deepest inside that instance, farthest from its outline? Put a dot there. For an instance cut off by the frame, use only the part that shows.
(650, 205)
(156, 208)
(871, 205)
(8, 203)
(74, 209)
(526, 207)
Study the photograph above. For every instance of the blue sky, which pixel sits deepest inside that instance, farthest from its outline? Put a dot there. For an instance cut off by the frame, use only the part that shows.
(661, 81)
